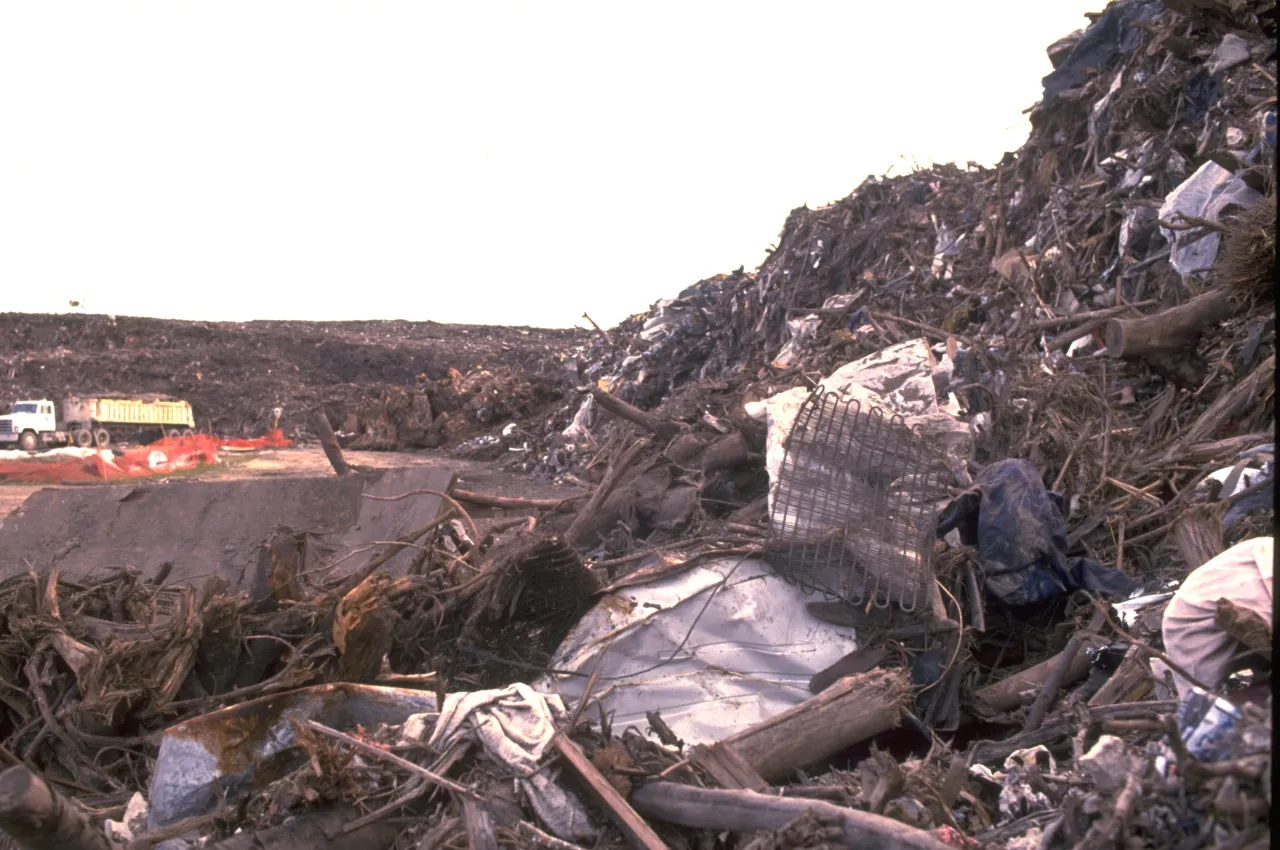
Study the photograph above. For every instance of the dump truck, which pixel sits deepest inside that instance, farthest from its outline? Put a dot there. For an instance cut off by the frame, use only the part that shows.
(88, 422)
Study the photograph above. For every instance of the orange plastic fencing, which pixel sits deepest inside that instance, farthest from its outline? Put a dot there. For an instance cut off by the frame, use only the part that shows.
(163, 457)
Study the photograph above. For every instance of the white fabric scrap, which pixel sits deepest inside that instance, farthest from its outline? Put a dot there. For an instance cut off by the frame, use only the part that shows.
(514, 724)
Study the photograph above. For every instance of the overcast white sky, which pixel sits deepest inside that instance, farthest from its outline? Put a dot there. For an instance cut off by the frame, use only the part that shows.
(497, 163)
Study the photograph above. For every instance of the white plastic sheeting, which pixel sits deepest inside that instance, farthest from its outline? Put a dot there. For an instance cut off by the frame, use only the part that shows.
(1204, 194)
(739, 646)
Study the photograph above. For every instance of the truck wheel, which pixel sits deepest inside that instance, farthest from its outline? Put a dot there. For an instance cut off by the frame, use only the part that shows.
(173, 434)
(84, 438)
(28, 442)
(188, 432)
(103, 437)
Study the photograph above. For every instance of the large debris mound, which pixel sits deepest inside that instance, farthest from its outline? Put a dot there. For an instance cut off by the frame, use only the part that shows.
(375, 377)
(1022, 276)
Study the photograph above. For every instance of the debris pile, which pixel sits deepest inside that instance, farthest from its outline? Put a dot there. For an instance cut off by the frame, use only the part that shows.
(948, 526)
(234, 374)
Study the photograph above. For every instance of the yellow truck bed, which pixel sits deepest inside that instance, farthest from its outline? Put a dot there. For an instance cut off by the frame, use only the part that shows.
(126, 411)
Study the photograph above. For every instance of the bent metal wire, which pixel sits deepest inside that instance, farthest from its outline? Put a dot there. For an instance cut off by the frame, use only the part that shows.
(854, 509)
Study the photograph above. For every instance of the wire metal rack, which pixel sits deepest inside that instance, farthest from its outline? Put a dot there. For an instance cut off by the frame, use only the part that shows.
(854, 509)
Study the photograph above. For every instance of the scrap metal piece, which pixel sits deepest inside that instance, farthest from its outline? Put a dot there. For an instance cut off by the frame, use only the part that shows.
(854, 509)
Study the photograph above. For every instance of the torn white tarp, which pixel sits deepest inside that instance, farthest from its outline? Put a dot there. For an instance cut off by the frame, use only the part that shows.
(898, 379)
(1205, 194)
(714, 649)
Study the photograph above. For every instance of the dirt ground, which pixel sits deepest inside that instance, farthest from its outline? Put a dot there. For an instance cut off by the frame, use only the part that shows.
(477, 476)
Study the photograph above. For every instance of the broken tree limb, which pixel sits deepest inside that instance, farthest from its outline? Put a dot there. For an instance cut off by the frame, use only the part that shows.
(749, 811)
(513, 502)
(330, 443)
(1167, 340)
(1009, 693)
(928, 330)
(1057, 676)
(852, 710)
(603, 489)
(38, 818)
(663, 429)
(1064, 339)
(1227, 406)
(1106, 313)
(727, 767)
(637, 831)
(1130, 683)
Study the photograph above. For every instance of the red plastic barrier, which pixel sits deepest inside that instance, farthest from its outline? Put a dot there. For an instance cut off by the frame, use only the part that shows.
(273, 439)
(163, 457)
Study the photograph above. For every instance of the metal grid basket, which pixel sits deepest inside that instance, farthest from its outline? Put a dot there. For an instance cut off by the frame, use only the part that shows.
(854, 507)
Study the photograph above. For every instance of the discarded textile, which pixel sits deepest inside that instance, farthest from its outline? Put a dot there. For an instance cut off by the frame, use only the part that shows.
(514, 724)
(1021, 537)
(1192, 638)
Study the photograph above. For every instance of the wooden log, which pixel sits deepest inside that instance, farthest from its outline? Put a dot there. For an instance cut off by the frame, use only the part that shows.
(1013, 691)
(633, 826)
(363, 630)
(663, 429)
(1051, 734)
(749, 811)
(1167, 340)
(852, 710)
(1053, 683)
(38, 818)
(603, 489)
(684, 448)
(329, 443)
(1197, 534)
(728, 767)
(1172, 330)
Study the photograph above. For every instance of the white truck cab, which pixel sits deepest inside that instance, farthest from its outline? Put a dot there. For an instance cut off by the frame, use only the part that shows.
(30, 423)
